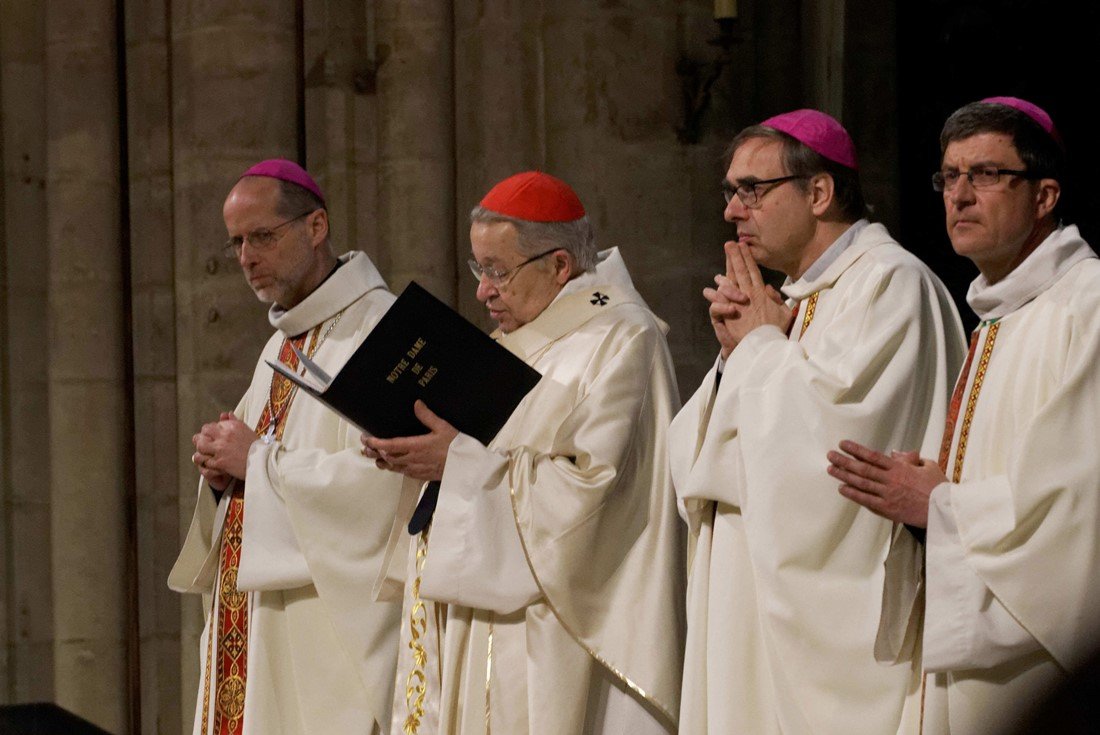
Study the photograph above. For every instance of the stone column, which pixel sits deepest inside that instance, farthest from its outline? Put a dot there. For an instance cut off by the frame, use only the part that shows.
(499, 112)
(416, 169)
(823, 60)
(234, 100)
(589, 92)
(153, 319)
(611, 125)
(27, 673)
(88, 393)
(341, 119)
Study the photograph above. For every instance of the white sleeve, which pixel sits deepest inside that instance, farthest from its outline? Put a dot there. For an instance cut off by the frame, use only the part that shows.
(475, 556)
(271, 558)
(965, 625)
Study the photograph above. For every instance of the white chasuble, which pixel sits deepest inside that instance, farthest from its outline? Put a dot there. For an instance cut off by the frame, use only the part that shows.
(1013, 558)
(786, 579)
(556, 550)
(320, 652)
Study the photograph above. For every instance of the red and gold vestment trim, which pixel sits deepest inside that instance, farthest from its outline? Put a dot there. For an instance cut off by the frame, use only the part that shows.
(955, 407)
(972, 401)
(229, 624)
(949, 429)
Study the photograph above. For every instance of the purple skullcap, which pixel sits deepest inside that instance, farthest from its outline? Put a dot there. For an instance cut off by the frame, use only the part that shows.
(820, 132)
(1036, 113)
(284, 170)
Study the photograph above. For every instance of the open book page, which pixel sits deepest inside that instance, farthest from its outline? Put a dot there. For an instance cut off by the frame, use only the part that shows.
(306, 380)
(311, 367)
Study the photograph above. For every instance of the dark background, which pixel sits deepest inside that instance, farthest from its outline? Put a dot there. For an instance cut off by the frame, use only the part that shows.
(951, 53)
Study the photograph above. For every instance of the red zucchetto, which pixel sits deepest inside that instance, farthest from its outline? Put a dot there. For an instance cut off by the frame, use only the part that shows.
(535, 197)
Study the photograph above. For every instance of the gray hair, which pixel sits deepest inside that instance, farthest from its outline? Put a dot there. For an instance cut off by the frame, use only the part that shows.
(577, 236)
(295, 200)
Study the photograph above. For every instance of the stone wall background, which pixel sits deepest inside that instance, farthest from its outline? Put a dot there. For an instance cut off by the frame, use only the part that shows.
(123, 124)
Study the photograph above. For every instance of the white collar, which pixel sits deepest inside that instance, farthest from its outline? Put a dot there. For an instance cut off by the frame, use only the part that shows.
(1060, 251)
(867, 237)
(355, 277)
(610, 270)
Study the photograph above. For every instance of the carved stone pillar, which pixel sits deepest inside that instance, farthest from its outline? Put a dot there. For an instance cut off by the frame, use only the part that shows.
(157, 442)
(416, 168)
(26, 592)
(234, 102)
(88, 392)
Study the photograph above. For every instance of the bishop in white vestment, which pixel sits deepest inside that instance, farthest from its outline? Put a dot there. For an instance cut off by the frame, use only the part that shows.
(1012, 507)
(285, 556)
(786, 579)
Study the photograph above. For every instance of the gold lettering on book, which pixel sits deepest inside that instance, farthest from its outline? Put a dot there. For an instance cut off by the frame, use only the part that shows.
(412, 352)
(427, 376)
(397, 370)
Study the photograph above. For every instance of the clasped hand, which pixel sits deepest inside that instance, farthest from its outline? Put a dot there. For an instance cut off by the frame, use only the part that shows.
(221, 450)
(419, 457)
(742, 301)
(895, 486)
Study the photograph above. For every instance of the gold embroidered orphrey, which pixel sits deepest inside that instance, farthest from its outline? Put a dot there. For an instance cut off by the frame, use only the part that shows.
(229, 623)
(964, 434)
(416, 684)
(811, 307)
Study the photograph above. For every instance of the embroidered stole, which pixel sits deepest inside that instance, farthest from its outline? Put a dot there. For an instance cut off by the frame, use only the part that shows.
(953, 410)
(229, 621)
(955, 406)
(811, 307)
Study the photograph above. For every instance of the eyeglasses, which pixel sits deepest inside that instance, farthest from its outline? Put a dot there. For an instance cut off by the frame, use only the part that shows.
(500, 278)
(979, 177)
(262, 239)
(749, 192)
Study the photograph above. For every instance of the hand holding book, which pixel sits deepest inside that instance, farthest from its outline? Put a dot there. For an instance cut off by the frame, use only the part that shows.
(421, 354)
(420, 457)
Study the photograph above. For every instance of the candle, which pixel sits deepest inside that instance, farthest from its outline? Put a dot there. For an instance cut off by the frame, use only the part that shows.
(725, 9)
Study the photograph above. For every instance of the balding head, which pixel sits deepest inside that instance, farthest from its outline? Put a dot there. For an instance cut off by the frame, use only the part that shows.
(284, 253)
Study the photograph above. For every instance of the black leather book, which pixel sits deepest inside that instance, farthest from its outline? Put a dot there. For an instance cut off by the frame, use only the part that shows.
(421, 348)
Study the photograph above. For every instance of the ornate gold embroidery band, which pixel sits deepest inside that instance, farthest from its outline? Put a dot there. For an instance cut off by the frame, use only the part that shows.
(811, 307)
(964, 435)
(972, 401)
(416, 684)
(232, 627)
(207, 672)
(230, 624)
(955, 406)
